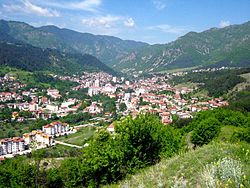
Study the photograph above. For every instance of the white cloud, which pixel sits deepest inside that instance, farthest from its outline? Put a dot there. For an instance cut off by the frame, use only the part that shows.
(103, 21)
(129, 22)
(168, 28)
(159, 4)
(224, 23)
(86, 5)
(108, 21)
(27, 7)
(107, 24)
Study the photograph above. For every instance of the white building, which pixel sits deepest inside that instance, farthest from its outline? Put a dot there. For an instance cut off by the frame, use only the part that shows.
(10, 146)
(94, 91)
(97, 83)
(114, 79)
(56, 128)
(37, 139)
(54, 93)
(111, 128)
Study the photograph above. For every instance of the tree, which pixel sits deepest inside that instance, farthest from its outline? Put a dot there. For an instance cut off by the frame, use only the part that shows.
(205, 131)
(122, 107)
(145, 139)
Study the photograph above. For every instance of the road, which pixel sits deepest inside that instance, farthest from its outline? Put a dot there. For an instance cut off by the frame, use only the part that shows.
(66, 144)
(85, 125)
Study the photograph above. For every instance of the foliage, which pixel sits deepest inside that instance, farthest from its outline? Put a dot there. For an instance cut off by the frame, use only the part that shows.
(57, 151)
(79, 94)
(187, 168)
(14, 128)
(225, 172)
(108, 103)
(122, 107)
(241, 135)
(212, 48)
(241, 101)
(30, 58)
(136, 144)
(6, 113)
(17, 173)
(224, 80)
(205, 131)
(76, 118)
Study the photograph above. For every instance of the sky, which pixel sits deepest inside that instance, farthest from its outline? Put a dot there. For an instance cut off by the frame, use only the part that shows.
(151, 21)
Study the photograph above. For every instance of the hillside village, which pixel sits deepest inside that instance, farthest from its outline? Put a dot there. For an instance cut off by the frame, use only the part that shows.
(131, 97)
(97, 93)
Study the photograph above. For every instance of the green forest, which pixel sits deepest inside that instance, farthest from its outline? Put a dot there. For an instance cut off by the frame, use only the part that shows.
(217, 83)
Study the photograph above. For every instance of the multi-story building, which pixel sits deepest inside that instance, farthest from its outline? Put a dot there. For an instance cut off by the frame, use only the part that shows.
(56, 128)
(37, 139)
(9, 146)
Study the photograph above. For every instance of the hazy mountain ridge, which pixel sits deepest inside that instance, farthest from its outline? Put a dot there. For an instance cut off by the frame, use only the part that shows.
(228, 46)
(106, 48)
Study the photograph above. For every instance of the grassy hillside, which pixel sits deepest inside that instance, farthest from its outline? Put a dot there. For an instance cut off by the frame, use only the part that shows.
(37, 79)
(189, 169)
(224, 80)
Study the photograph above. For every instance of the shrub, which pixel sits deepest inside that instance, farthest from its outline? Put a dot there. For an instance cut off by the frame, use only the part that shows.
(205, 131)
(225, 172)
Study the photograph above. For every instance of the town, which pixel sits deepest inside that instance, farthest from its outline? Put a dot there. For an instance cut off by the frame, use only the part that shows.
(127, 97)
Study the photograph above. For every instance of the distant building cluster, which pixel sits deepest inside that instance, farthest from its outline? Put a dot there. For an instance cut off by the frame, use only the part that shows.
(35, 139)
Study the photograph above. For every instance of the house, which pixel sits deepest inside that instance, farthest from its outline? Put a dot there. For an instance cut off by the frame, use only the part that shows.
(108, 88)
(111, 128)
(54, 93)
(93, 108)
(38, 139)
(166, 118)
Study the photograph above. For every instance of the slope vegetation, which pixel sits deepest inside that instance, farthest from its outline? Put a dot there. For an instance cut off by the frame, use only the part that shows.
(29, 58)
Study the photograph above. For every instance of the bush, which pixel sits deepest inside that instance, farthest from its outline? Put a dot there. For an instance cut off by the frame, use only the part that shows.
(225, 172)
(205, 131)
(108, 158)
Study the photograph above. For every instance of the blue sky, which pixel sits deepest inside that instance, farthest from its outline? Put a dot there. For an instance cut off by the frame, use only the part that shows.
(152, 21)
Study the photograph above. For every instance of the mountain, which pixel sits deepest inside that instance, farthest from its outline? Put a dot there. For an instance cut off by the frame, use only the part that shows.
(229, 46)
(30, 58)
(106, 48)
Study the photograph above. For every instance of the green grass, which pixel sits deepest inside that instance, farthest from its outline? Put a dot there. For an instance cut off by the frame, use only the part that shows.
(190, 85)
(79, 138)
(243, 85)
(227, 132)
(59, 151)
(177, 70)
(188, 167)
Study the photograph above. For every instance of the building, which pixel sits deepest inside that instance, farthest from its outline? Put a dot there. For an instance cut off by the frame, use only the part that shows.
(94, 91)
(37, 139)
(56, 128)
(54, 93)
(111, 128)
(11, 146)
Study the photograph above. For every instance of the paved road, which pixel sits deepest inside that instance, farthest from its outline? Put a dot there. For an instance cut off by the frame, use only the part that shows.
(66, 144)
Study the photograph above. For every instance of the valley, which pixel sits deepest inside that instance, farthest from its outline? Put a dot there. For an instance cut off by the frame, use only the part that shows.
(81, 107)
